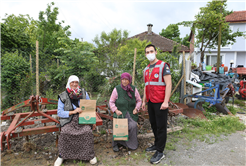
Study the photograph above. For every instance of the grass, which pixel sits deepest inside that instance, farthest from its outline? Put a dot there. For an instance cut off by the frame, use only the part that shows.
(206, 131)
(233, 110)
(240, 102)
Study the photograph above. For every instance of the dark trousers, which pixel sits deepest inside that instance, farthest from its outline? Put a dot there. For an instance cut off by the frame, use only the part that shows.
(158, 121)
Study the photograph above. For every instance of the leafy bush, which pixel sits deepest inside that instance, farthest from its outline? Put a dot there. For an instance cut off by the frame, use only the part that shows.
(16, 79)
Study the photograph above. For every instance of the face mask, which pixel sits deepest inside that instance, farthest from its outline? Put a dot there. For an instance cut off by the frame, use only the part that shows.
(151, 57)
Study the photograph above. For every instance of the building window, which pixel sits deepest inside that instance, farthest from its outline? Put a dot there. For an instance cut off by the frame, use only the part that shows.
(212, 60)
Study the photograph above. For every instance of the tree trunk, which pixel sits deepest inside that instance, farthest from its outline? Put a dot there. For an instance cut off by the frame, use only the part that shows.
(202, 57)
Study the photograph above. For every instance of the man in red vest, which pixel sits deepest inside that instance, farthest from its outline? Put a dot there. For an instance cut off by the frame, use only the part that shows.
(157, 91)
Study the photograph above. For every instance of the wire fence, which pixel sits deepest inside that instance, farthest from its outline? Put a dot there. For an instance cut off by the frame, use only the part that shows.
(19, 75)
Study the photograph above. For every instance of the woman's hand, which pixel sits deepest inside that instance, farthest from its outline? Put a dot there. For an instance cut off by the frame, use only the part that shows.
(94, 127)
(135, 111)
(143, 105)
(77, 110)
(118, 112)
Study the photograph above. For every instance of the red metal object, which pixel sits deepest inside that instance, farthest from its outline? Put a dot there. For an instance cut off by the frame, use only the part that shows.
(34, 102)
(242, 89)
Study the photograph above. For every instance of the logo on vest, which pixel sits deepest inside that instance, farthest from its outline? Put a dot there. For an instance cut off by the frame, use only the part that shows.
(156, 75)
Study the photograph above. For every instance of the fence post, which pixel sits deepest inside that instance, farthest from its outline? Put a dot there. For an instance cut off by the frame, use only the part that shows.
(184, 75)
(31, 71)
(37, 70)
(134, 64)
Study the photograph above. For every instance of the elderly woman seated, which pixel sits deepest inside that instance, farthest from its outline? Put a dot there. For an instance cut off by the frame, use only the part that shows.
(75, 140)
(125, 100)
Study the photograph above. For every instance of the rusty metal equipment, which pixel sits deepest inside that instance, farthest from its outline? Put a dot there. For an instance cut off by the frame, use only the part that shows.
(19, 120)
(191, 112)
(216, 97)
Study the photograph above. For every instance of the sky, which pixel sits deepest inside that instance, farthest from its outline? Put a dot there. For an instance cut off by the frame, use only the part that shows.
(88, 18)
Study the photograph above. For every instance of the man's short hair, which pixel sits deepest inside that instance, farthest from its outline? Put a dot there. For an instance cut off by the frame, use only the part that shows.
(149, 45)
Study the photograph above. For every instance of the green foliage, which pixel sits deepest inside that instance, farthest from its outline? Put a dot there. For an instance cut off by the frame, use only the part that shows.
(212, 109)
(206, 25)
(77, 58)
(202, 129)
(15, 79)
(47, 33)
(107, 49)
(232, 109)
(185, 41)
(239, 102)
(171, 32)
(12, 39)
(193, 65)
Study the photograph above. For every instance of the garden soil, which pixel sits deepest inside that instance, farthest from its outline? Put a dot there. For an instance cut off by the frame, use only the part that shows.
(41, 150)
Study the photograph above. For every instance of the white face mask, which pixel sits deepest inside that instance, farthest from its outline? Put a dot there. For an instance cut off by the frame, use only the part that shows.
(151, 57)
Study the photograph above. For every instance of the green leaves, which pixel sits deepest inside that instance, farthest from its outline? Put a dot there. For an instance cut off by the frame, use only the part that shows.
(14, 78)
(206, 26)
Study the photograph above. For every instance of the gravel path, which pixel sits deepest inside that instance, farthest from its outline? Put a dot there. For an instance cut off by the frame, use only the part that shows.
(230, 151)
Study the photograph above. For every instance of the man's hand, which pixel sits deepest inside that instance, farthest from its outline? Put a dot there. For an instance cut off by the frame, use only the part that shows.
(135, 111)
(77, 110)
(143, 106)
(118, 112)
(164, 106)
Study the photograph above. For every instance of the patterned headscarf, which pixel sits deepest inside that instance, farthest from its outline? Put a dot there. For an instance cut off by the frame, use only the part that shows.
(127, 88)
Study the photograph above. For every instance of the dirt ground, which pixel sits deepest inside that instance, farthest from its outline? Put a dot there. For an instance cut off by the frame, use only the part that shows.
(41, 150)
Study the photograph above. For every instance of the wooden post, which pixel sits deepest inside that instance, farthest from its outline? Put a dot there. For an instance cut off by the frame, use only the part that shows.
(31, 71)
(177, 86)
(30, 63)
(184, 75)
(37, 70)
(134, 64)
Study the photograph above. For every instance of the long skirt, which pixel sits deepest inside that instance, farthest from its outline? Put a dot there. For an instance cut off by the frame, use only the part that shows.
(76, 141)
(132, 142)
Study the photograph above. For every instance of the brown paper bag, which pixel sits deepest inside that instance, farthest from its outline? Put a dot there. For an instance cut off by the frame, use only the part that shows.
(120, 129)
(88, 116)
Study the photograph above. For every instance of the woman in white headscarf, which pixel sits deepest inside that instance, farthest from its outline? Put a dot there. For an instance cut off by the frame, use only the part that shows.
(75, 140)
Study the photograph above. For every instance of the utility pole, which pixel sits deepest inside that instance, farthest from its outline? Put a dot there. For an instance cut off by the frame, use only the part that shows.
(219, 43)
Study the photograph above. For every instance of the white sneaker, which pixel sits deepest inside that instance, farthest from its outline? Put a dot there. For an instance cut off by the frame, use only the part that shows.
(93, 161)
(58, 161)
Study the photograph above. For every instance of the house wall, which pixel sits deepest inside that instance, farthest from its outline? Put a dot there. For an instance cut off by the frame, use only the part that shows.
(239, 45)
(236, 52)
(241, 59)
(181, 57)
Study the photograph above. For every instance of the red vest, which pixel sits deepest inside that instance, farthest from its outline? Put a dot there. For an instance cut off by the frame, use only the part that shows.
(154, 84)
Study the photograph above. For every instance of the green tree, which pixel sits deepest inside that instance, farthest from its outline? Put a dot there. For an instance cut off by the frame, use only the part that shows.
(12, 38)
(107, 47)
(185, 41)
(15, 79)
(24, 22)
(47, 34)
(206, 27)
(77, 58)
(171, 32)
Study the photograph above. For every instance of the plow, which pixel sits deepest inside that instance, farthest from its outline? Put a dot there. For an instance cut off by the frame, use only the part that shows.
(34, 122)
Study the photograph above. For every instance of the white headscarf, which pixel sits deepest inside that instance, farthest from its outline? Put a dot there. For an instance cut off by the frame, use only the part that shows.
(71, 79)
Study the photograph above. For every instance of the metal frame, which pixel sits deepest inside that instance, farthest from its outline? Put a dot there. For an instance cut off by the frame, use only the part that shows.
(16, 127)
